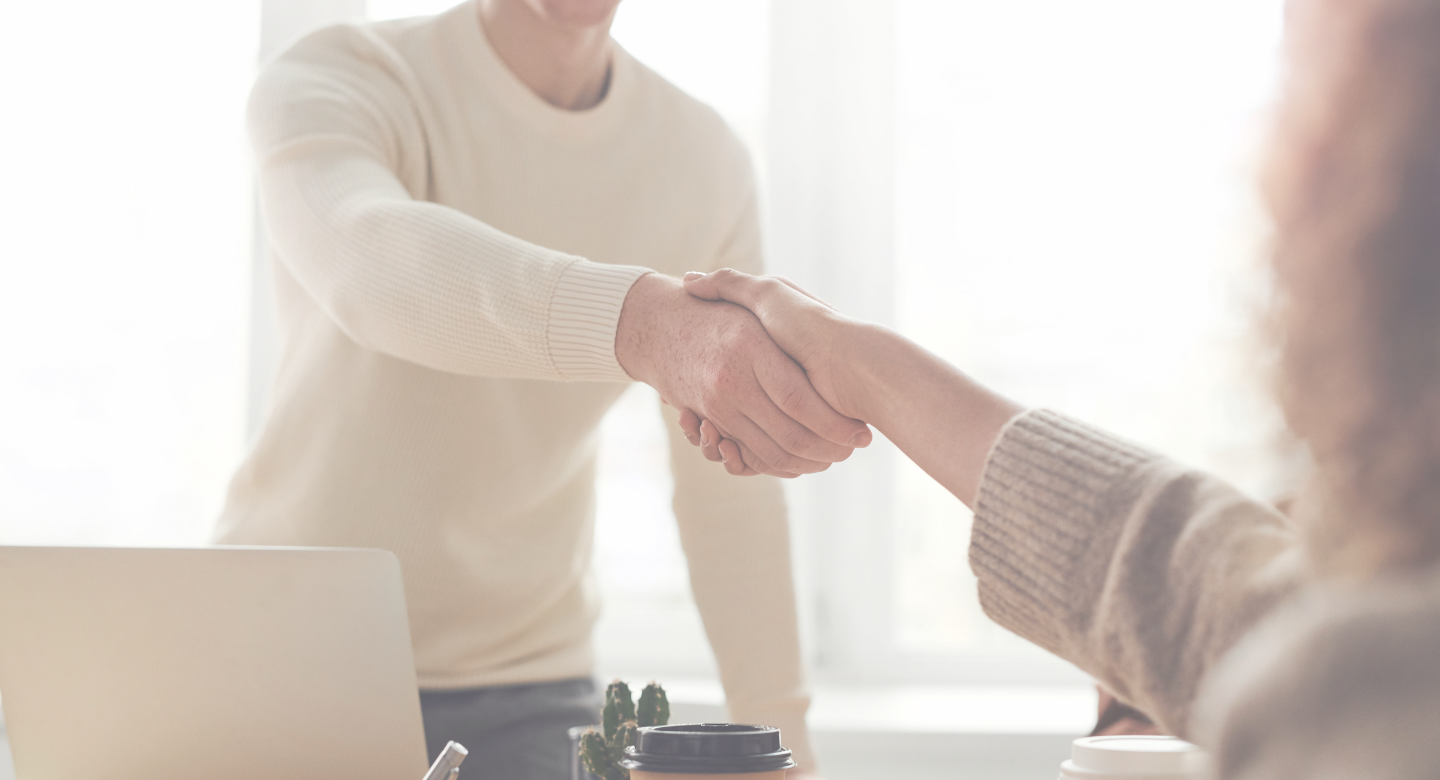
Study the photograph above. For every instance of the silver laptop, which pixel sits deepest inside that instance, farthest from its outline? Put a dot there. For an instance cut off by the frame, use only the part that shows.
(227, 663)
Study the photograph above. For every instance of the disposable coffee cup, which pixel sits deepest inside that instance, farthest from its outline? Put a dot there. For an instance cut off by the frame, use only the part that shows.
(718, 751)
(1134, 758)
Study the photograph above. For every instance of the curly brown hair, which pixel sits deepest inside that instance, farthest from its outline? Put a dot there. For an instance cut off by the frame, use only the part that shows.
(1354, 187)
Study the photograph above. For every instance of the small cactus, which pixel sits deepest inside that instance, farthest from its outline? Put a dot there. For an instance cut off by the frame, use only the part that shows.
(603, 750)
(595, 754)
(624, 738)
(619, 707)
(654, 708)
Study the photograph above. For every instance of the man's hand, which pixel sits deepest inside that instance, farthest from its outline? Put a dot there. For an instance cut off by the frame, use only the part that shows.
(801, 324)
(716, 360)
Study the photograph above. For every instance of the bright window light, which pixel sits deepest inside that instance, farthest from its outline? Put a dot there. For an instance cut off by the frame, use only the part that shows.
(124, 267)
(1077, 225)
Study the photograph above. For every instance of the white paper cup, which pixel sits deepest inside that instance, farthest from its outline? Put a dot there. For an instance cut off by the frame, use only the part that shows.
(1134, 758)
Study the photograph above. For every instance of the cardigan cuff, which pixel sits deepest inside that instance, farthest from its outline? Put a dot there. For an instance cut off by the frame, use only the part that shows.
(1041, 515)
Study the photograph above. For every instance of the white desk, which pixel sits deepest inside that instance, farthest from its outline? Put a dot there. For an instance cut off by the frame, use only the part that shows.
(942, 732)
(938, 732)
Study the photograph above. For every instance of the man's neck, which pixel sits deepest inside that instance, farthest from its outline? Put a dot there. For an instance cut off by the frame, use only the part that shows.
(566, 65)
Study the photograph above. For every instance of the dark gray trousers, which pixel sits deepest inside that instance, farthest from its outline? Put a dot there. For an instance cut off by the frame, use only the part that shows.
(513, 732)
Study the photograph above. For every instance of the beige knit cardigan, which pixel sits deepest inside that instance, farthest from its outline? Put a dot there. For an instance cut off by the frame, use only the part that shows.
(1194, 603)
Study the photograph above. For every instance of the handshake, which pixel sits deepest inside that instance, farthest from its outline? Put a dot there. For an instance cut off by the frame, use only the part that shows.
(754, 365)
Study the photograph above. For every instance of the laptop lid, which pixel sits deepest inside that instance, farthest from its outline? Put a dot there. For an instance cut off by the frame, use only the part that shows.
(228, 663)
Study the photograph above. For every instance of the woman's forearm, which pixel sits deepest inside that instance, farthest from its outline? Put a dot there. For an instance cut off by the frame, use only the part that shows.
(940, 418)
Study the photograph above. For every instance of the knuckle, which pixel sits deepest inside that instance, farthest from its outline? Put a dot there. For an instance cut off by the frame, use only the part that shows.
(756, 461)
(790, 398)
(723, 379)
(731, 382)
(786, 462)
(793, 439)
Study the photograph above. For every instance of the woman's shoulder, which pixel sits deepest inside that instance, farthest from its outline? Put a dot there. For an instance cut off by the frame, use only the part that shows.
(1342, 682)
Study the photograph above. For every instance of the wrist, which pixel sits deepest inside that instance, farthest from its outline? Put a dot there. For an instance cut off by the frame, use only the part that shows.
(862, 380)
(640, 320)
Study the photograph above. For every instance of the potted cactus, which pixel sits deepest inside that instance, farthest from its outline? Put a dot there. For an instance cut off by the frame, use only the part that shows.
(602, 751)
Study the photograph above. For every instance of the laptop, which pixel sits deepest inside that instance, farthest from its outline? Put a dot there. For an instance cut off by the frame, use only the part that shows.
(227, 663)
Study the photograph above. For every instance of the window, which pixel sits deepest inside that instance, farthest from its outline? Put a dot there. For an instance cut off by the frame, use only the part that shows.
(1076, 225)
(1054, 195)
(124, 267)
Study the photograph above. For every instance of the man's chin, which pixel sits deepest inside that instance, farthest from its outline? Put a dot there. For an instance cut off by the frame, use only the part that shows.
(576, 13)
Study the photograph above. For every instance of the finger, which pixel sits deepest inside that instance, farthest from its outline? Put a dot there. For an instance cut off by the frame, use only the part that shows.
(766, 455)
(827, 434)
(727, 284)
(719, 449)
(761, 451)
(733, 454)
(730, 450)
(733, 449)
(734, 460)
(690, 426)
(710, 441)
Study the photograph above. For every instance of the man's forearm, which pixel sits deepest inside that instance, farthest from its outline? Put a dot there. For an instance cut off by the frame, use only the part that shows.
(431, 285)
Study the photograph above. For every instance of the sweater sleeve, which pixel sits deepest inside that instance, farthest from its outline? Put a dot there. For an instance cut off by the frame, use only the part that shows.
(1137, 570)
(343, 174)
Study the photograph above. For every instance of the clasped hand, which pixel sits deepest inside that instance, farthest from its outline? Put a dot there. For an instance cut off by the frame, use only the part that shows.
(716, 362)
(800, 324)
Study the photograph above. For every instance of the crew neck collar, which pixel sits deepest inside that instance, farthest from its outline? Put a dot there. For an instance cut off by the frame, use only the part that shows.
(559, 124)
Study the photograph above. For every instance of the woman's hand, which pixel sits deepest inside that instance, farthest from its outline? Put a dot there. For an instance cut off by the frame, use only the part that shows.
(805, 327)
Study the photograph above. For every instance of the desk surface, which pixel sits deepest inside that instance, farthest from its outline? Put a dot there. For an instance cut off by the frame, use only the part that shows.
(999, 733)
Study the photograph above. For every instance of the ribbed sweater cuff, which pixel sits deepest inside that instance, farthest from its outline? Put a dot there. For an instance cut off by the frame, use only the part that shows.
(1046, 522)
(584, 313)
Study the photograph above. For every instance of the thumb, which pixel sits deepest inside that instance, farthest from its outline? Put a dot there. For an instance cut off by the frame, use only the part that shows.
(725, 284)
(701, 286)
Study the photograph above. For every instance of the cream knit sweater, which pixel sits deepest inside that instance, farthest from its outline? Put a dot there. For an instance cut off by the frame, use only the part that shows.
(450, 256)
(1194, 604)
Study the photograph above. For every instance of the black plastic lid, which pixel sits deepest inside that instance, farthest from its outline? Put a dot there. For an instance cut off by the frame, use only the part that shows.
(707, 749)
